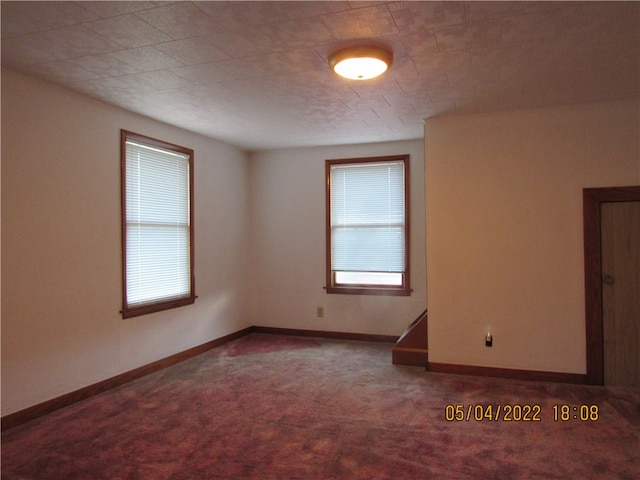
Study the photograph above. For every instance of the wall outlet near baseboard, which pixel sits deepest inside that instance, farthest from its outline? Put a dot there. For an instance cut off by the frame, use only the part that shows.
(320, 312)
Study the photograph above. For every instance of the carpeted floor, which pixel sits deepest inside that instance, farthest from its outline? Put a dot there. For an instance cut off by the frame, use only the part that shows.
(270, 407)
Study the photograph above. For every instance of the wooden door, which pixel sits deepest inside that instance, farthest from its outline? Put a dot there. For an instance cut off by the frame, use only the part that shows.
(620, 237)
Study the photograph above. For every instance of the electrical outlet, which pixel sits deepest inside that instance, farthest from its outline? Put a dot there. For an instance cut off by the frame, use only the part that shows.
(320, 312)
(488, 340)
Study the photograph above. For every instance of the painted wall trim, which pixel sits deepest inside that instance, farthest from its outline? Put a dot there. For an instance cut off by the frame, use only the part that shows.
(31, 413)
(49, 406)
(364, 337)
(534, 375)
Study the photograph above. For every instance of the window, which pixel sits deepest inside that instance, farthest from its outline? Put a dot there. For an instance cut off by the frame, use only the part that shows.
(368, 225)
(157, 225)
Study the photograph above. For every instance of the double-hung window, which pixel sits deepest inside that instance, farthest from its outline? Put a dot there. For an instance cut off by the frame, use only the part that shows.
(157, 225)
(368, 225)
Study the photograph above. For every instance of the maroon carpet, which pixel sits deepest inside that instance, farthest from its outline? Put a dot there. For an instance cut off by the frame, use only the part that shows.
(253, 344)
(269, 407)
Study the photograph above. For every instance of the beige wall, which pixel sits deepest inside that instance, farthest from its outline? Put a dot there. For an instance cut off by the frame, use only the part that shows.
(288, 251)
(61, 268)
(504, 239)
(259, 245)
(504, 229)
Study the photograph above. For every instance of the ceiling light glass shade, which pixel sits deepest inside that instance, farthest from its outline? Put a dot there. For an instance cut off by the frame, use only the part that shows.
(360, 63)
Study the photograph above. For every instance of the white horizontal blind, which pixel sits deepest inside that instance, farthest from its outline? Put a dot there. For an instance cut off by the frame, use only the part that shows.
(157, 224)
(368, 221)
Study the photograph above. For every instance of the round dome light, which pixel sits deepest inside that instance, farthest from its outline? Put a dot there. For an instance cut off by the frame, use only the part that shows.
(360, 63)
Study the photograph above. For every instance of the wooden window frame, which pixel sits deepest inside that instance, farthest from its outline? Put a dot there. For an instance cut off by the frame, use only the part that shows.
(391, 290)
(160, 305)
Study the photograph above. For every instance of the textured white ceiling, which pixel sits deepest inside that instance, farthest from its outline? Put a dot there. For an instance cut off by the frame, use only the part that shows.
(255, 74)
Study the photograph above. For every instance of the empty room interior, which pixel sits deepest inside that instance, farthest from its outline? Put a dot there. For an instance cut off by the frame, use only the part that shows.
(497, 336)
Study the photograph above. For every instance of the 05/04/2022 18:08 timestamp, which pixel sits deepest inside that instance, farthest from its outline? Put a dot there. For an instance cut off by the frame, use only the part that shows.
(520, 413)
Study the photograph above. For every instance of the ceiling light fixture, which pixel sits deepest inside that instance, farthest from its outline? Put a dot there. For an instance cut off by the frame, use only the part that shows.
(360, 63)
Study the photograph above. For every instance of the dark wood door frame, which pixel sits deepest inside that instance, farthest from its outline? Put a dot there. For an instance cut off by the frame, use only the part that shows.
(591, 200)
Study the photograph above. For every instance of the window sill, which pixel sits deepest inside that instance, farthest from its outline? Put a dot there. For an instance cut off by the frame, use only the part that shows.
(129, 312)
(396, 292)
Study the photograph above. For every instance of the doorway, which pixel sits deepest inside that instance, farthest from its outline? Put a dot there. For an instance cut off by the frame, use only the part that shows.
(611, 297)
(620, 234)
